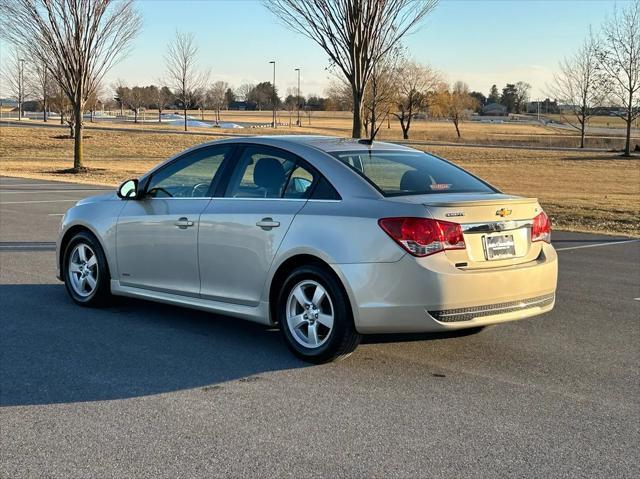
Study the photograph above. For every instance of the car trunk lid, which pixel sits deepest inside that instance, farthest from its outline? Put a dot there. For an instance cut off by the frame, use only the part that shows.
(496, 227)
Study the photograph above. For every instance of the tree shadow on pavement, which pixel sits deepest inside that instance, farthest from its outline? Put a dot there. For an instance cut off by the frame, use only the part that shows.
(52, 351)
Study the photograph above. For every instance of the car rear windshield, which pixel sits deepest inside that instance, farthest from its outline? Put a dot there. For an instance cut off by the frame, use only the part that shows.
(397, 173)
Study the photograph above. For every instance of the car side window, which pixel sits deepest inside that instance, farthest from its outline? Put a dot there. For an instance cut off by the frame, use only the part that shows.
(261, 172)
(190, 176)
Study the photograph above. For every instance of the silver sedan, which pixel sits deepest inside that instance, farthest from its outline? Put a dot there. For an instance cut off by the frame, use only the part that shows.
(328, 238)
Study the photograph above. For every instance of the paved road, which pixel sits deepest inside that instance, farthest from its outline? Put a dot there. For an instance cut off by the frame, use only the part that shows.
(142, 390)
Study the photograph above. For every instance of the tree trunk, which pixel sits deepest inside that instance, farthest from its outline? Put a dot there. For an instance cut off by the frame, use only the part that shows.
(627, 143)
(185, 117)
(405, 132)
(159, 115)
(356, 131)
(135, 115)
(583, 127)
(77, 135)
(455, 123)
(44, 109)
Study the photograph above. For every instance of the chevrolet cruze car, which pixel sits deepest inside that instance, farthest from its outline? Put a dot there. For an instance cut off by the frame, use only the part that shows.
(328, 238)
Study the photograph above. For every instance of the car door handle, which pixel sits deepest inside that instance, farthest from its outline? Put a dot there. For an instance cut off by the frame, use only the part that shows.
(183, 223)
(267, 223)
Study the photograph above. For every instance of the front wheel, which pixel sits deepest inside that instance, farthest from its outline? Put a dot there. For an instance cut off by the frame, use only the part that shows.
(86, 275)
(315, 317)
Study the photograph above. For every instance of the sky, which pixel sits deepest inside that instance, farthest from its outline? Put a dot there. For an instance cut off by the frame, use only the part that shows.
(480, 42)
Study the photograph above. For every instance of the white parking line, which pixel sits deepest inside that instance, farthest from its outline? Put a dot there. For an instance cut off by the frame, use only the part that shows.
(34, 201)
(31, 184)
(597, 244)
(55, 214)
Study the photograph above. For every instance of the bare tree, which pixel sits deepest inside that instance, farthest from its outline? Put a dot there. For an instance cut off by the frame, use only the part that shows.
(355, 34)
(162, 98)
(521, 95)
(244, 91)
(137, 98)
(79, 40)
(216, 97)
(413, 83)
(93, 102)
(121, 90)
(580, 86)
(291, 103)
(619, 57)
(182, 70)
(59, 102)
(16, 78)
(199, 99)
(454, 104)
(338, 94)
(379, 96)
(41, 84)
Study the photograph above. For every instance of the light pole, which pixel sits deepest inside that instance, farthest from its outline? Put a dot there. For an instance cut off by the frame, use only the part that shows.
(20, 87)
(273, 123)
(298, 98)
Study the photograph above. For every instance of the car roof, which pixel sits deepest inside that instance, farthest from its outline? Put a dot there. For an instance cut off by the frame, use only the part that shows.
(327, 143)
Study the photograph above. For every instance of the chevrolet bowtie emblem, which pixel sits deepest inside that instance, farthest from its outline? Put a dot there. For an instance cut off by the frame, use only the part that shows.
(502, 212)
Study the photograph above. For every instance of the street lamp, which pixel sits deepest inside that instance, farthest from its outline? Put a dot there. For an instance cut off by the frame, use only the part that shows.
(20, 87)
(298, 70)
(273, 122)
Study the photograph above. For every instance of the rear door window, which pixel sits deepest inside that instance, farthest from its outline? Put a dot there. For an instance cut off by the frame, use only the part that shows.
(261, 172)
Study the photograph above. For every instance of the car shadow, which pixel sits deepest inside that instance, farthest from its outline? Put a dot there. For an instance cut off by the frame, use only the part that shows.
(53, 351)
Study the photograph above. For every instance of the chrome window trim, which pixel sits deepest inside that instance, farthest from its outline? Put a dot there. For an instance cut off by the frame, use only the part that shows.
(243, 199)
(174, 198)
(258, 199)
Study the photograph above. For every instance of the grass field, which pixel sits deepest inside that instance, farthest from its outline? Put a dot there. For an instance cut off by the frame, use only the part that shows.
(339, 124)
(582, 191)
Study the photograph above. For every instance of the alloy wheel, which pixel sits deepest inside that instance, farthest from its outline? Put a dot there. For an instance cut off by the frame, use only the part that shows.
(310, 314)
(83, 270)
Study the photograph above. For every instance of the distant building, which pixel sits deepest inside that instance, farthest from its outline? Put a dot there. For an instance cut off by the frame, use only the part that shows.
(494, 109)
(242, 105)
(8, 102)
(547, 106)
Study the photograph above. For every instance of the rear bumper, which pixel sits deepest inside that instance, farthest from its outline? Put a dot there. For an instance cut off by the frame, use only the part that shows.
(431, 294)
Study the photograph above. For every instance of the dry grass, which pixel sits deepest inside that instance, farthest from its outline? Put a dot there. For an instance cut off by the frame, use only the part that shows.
(601, 121)
(339, 124)
(581, 190)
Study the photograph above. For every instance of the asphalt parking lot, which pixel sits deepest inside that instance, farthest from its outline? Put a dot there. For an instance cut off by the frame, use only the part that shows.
(145, 390)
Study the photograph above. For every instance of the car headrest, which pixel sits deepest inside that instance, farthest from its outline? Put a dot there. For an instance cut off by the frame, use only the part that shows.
(414, 180)
(269, 174)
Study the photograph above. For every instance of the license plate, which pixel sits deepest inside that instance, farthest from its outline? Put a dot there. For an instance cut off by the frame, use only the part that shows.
(499, 247)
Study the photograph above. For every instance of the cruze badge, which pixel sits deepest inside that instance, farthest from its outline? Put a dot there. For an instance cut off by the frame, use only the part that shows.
(502, 212)
(457, 213)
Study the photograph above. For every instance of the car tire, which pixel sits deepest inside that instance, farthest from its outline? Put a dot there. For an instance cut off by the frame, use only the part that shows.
(85, 271)
(315, 316)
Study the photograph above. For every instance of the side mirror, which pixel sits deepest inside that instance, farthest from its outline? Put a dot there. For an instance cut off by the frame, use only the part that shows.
(128, 190)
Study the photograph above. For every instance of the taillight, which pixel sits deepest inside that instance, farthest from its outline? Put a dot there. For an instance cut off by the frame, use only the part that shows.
(423, 236)
(541, 230)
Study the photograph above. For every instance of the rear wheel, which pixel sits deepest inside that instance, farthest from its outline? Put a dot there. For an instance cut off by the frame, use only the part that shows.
(315, 317)
(86, 275)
